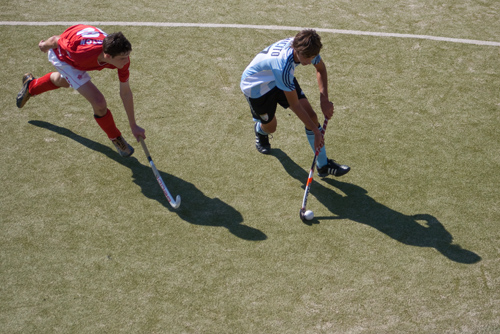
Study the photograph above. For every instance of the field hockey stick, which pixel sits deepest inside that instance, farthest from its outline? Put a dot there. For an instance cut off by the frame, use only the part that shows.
(311, 174)
(174, 203)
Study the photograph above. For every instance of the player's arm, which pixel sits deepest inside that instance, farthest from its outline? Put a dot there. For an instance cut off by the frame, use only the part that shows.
(322, 77)
(128, 103)
(50, 43)
(293, 101)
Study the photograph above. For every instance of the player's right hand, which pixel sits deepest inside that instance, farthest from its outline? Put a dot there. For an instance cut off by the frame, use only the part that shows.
(43, 47)
(319, 140)
(50, 43)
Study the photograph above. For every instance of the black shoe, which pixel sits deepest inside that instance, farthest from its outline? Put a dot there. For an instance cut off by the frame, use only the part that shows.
(333, 168)
(24, 95)
(262, 142)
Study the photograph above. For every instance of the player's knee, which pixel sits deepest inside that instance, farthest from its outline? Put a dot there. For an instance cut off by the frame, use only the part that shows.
(100, 106)
(269, 127)
(58, 80)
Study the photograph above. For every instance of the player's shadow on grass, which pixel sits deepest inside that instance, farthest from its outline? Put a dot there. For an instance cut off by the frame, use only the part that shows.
(421, 230)
(196, 208)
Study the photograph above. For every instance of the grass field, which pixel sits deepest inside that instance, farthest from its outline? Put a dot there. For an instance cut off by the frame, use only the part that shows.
(407, 242)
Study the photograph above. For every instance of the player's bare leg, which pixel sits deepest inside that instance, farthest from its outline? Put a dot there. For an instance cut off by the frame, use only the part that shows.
(104, 118)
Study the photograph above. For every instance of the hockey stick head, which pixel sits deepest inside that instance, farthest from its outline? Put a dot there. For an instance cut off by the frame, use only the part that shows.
(301, 214)
(303, 217)
(177, 202)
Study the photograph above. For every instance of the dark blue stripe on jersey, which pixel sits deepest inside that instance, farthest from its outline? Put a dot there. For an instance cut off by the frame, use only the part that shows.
(286, 72)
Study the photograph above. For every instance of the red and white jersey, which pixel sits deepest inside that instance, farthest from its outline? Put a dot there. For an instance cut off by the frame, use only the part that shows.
(80, 45)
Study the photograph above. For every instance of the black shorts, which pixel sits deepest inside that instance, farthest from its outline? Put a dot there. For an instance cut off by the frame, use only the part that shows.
(264, 108)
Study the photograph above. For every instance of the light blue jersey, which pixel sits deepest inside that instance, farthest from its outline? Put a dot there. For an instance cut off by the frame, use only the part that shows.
(273, 67)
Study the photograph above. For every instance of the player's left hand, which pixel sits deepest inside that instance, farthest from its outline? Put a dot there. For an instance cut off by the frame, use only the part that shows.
(327, 108)
(137, 131)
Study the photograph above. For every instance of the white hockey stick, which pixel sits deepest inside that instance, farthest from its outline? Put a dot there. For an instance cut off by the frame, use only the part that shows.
(174, 203)
(310, 177)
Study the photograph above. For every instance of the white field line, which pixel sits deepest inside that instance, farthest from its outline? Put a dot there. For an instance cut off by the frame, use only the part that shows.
(251, 26)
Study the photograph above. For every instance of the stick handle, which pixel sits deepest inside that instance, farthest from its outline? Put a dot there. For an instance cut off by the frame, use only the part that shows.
(325, 123)
(145, 148)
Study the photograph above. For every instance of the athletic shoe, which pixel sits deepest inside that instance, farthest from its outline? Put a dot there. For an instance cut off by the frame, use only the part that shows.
(24, 95)
(262, 142)
(333, 168)
(123, 147)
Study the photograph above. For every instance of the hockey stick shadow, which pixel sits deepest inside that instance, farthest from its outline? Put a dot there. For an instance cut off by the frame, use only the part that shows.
(420, 230)
(196, 207)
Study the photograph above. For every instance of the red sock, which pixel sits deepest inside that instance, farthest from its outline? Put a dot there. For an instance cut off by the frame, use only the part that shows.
(107, 123)
(41, 85)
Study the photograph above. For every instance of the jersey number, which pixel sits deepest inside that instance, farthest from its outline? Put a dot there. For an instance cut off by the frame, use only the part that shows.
(266, 50)
(275, 53)
(90, 32)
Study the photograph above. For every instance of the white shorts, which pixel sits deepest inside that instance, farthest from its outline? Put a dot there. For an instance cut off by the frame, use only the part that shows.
(74, 77)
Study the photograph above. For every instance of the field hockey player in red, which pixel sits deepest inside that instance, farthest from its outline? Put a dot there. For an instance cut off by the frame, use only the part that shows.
(78, 50)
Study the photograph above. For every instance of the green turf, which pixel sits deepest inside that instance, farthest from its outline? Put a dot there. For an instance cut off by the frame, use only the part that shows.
(407, 242)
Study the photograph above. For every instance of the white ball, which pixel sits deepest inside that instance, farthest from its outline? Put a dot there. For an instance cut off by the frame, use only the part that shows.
(308, 215)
